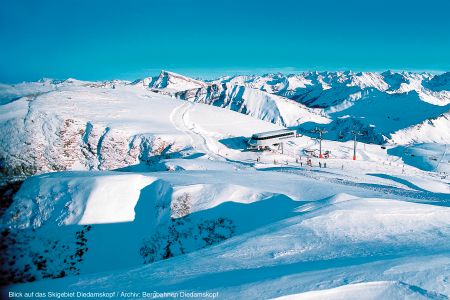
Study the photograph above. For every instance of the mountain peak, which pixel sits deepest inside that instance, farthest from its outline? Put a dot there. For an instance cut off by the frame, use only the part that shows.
(172, 81)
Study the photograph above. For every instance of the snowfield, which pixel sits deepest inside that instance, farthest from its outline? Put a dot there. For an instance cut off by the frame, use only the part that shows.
(148, 186)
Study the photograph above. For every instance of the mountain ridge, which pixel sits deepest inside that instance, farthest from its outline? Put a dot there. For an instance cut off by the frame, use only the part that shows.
(324, 97)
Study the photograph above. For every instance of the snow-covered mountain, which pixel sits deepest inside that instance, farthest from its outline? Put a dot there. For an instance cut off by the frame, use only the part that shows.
(76, 125)
(439, 83)
(397, 100)
(148, 185)
(172, 82)
(255, 103)
(327, 89)
(81, 125)
(58, 125)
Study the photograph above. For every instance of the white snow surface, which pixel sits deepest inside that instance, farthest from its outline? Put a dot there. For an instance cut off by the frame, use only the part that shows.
(148, 186)
(369, 290)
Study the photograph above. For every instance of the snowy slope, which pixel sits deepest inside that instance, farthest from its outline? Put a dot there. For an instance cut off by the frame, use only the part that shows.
(255, 103)
(369, 290)
(84, 126)
(13, 92)
(432, 130)
(76, 125)
(385, 114)
(106, 221)
(426, 156)
(305, 246)
(148, 186)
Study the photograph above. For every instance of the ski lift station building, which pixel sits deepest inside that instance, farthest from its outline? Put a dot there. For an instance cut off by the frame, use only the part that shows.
(264, 140)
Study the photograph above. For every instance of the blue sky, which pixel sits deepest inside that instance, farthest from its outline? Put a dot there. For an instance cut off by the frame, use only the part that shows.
(97, 40)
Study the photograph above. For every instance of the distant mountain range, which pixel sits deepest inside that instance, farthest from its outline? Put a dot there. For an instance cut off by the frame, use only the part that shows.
(399, 107)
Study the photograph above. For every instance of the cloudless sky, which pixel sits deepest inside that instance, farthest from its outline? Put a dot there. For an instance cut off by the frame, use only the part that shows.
(95, 40)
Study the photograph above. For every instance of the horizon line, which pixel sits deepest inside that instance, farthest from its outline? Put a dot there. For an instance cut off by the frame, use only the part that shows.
(218, 73)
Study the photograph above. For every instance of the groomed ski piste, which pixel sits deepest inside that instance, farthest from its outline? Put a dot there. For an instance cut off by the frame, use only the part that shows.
(137, 189)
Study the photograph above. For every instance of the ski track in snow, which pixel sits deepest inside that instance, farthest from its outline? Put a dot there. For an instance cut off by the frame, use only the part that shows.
(199, 142)
(416, 195)
(442, 157)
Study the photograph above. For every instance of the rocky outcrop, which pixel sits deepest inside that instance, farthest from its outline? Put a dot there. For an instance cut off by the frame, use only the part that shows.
(46, 142)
